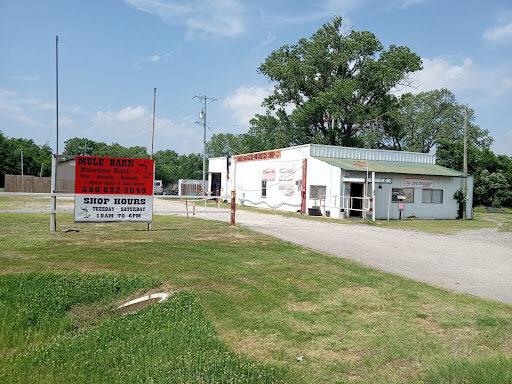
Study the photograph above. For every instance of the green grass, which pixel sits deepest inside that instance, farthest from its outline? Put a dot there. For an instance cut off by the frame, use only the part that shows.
(502, 218)
(269, 301)
(482, 371)
(34, 307)
(172, 342)
(440, 226)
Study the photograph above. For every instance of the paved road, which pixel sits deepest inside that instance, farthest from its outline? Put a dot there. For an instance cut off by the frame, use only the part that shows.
(474, 262)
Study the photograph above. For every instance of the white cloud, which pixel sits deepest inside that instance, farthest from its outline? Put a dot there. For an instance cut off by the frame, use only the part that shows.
(245, 102)
(331, 8)
(132, 126)
(327, 8)
(155, 58)
(502, 31)
(409, 3)
(27, 78)
(65, 121)
(130, 113)
(207, 17)
(458, 75)
(19, 108)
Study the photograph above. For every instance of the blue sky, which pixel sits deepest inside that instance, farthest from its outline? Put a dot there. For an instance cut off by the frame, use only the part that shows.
(114, 52)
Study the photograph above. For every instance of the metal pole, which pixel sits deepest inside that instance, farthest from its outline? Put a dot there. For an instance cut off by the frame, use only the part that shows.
(389, 203)
(204, 148)
(373, 196)
(57, 94)
(53, 203)
(465, 166)
(150, 224)
(153, 131)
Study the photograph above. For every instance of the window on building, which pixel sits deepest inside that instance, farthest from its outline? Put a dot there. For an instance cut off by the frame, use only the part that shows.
(399, 192)
(264, 188)
(317, 192)
(432, 196)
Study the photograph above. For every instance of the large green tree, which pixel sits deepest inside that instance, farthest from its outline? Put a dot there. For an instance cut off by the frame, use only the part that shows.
(170, 167)
(492, 173)
(338, 84)
(36, 158)
(84, 146)
(420, 122)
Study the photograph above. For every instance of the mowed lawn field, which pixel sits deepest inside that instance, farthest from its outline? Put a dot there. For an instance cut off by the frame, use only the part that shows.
(245, 307)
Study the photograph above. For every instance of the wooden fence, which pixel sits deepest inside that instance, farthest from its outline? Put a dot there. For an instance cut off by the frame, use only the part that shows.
(34, 184)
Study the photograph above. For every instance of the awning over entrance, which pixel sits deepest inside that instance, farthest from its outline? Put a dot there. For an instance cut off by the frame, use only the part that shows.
(391, 167)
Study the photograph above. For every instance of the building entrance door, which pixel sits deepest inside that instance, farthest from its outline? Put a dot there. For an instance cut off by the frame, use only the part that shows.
(356, 190)
(215, 186)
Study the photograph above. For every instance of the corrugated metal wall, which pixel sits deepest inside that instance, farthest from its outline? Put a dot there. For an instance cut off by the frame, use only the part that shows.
(371, 154)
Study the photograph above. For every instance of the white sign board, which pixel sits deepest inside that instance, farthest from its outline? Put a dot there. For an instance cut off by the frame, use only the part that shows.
(113, 189)
(94, 208)
(418, 182)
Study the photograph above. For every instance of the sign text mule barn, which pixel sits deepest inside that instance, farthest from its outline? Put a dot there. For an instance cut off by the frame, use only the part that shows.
(113, 189)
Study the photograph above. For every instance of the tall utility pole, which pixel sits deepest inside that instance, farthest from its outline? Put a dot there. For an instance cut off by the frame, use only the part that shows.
(203, 118)
(153, 130)
(465, 165)
(150, 224)
(53, 204)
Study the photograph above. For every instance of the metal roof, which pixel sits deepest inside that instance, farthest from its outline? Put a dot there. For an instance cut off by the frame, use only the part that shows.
(390, 167)
(318, 150)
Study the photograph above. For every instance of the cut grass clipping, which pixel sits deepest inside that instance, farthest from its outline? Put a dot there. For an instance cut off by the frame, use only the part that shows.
(171, 342)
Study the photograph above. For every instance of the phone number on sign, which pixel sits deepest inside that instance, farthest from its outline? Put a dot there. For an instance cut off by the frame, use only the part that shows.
(116, 190)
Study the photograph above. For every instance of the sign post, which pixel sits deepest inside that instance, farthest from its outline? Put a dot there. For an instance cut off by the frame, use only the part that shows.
(109, 189)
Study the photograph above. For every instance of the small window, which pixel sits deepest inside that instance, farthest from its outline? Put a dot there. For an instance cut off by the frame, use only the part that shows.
(264, 188)
(398, 193)
(432, 196)
(317, 192)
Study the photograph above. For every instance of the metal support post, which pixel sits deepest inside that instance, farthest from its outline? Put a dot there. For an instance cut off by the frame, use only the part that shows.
(53, 201)
(373, 196)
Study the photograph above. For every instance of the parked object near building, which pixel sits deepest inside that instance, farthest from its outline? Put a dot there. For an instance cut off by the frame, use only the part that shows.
(190, 187)
(158, 187)
(341, 182)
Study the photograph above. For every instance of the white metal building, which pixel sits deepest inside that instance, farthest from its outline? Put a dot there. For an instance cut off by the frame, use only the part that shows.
(341, 182)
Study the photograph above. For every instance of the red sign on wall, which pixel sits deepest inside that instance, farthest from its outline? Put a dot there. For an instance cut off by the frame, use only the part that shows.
(267, 155)
(113, 176)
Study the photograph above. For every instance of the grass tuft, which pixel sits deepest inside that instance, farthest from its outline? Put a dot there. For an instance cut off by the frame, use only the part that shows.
(492, 370)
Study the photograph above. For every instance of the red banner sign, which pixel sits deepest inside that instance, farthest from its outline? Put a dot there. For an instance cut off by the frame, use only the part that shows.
(113, 176)
(259, 156)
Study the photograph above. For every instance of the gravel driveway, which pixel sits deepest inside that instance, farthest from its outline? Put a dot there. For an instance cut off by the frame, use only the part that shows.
(475, 262)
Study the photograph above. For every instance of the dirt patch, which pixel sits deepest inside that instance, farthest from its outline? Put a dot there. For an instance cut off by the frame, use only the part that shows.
(304, 306)
(262, 347)
(430, 325)
(123, 241)
(253, 263)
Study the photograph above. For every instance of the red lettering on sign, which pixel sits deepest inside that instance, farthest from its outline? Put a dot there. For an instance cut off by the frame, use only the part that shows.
(113, 175)
(259, 156)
